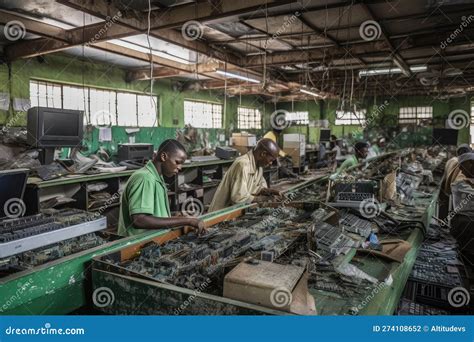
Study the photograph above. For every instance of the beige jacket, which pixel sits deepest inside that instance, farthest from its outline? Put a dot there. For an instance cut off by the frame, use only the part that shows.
(240, 183)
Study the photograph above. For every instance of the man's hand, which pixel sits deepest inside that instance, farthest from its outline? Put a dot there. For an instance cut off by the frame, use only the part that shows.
(198, 225)
(262, 199)
(269, 192)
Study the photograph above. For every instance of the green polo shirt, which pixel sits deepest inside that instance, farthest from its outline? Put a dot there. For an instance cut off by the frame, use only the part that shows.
(145, 193)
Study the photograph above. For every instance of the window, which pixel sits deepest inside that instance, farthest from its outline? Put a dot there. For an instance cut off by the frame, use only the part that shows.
(147, 109)
(249, 118)
(44, 94)
(356, 117)
(75, 98)
(298, 118)
(127, 109)
(202, 114)
(101, 106)
(415, 115)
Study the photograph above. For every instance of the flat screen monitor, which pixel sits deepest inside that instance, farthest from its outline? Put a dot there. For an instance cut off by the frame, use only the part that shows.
(12, 183)
(325, 135)
(52, 127)
(445, 136)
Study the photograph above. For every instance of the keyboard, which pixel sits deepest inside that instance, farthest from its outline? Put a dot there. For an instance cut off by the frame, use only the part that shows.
(353, 224)
(353, 196)
(331, 239)
(408, 307)
(27, 233)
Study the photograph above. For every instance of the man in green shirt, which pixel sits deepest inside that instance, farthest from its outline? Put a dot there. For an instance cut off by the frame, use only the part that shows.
(361, 150)
(144, 204)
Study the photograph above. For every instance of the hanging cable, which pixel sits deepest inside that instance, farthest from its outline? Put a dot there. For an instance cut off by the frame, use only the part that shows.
(152, 98)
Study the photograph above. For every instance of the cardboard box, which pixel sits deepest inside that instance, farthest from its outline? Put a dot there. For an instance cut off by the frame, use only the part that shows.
(242, 149)
(295, 141)
(244, 139)
(295, 155)
(281, 287)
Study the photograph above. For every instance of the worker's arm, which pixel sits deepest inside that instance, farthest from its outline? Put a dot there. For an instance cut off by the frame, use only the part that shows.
(144, 221)
(344, 166)
(268, 192)
(264, 190)
(141, 203)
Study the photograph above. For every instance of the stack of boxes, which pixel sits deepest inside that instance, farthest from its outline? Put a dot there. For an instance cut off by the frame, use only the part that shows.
(243, 142)
(295, 146)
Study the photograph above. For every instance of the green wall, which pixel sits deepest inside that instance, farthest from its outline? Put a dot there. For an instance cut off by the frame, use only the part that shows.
(67, 69)
(314, 113)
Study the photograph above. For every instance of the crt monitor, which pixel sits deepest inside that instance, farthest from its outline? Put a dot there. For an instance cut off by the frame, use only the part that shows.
(12, 183)
(53, 127)
(49, 128)
(445, 136)
(325, 135)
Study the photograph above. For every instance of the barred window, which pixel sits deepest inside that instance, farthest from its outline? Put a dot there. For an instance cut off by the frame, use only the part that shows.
(414, 115)
(298, 118)
(100, 106)
(202, 114)
(249, 118)
(357, 117)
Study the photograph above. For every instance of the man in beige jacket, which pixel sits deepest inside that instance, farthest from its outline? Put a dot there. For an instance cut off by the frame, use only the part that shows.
(244, 182)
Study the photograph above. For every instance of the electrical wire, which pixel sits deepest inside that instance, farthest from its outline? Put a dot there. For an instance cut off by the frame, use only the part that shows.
(152, 98)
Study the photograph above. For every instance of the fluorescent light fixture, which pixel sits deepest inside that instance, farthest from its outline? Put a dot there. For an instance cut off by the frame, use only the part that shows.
(305, 91)
(240, 77)
(388, 71)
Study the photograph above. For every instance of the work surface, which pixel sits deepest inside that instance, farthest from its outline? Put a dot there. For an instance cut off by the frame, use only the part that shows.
(150, 295)
(384, 298)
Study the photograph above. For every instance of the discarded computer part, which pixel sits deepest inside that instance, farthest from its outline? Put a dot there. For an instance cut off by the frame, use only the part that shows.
(330, 239)
(352, 194)
(412, 308)
(40, 256)
(27, 233)
(354, 224)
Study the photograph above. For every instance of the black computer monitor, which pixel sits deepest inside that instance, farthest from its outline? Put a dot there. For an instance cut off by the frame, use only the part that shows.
(12, 183)
(325, 135)
(445, 136)
(49, 128)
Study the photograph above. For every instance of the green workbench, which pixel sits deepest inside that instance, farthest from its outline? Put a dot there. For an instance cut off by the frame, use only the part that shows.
(63, 285)
(384, 299)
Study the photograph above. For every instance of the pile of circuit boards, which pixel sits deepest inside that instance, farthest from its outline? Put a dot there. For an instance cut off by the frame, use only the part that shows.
(313, 193)
(437, 270)
(40, 256)
(188, 260)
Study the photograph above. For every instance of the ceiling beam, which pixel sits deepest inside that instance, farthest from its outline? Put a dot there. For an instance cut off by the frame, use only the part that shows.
(397, 59)
(327, 36)
(92, 35)
(34, 26)
(159, 73)
(302, 56)
(202, 11)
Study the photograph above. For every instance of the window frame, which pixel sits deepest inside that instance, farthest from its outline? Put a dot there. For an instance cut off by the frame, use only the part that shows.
(414, 118)
(213, 120)
(354, 117)
(255, 110)
(86, 89)
(298, 121)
